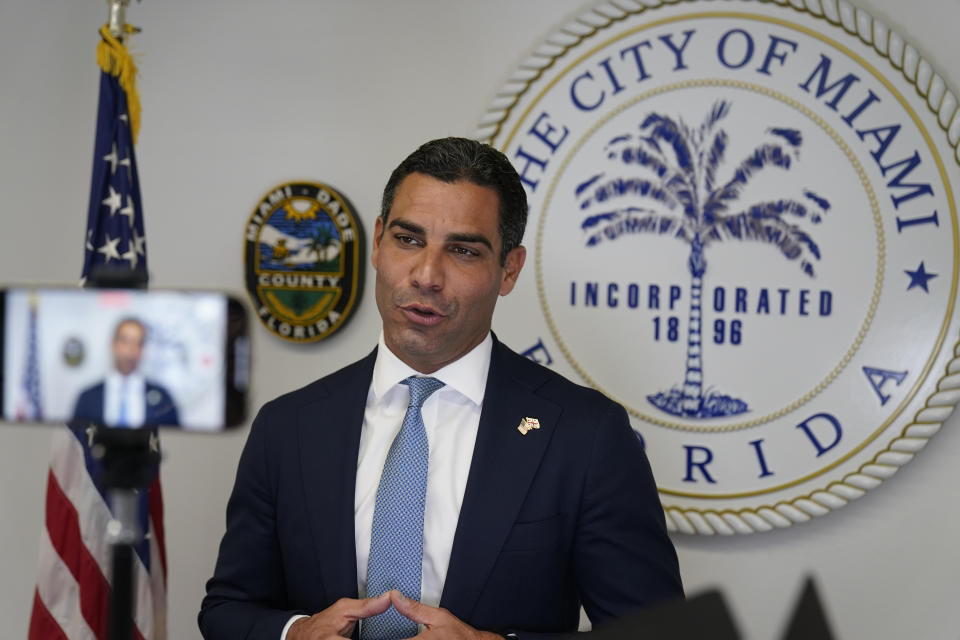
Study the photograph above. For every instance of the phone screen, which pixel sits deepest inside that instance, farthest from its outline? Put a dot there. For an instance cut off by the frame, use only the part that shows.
(124, 358)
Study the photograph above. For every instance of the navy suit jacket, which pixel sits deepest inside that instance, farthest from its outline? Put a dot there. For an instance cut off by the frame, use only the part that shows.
(562, 515)
(160, 408)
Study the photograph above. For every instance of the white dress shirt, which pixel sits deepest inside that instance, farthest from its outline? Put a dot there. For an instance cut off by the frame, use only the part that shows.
(451, 417)
(130, 391)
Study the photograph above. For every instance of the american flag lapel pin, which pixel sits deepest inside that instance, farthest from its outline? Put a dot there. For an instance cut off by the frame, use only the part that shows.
(527, 424)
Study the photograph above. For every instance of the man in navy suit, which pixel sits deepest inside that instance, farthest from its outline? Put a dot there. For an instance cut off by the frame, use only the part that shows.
(539, 497)
(125, 398)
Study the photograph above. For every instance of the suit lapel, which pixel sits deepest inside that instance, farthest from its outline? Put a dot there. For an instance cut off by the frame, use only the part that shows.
(100, 401)
(503, 466)
(329, 438)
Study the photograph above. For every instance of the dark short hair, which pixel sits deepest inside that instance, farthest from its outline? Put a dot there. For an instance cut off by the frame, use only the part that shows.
(129, 320)
(454, 159)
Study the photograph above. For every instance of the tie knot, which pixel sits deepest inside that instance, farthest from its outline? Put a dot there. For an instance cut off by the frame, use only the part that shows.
(421, 388)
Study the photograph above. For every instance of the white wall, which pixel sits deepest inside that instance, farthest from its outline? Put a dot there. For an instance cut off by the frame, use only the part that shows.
(239, 96)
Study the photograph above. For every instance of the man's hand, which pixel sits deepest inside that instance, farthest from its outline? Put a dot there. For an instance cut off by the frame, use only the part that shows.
(339, 619)
(440, 623)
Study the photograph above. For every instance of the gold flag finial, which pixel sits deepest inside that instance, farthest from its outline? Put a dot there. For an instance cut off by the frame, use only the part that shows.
(113, 58)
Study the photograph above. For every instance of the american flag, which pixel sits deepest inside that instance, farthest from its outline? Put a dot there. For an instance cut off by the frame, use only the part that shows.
(30, 406)
(73, 572)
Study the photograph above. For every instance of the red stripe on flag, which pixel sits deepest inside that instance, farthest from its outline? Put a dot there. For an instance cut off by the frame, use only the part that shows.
(42, 624)
(156, 515)
(63, 525)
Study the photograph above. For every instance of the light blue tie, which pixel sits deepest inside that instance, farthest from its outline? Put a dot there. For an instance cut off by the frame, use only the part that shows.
(122, 412)
(396, 541)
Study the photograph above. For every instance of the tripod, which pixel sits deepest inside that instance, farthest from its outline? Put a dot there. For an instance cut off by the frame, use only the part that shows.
(128, 458)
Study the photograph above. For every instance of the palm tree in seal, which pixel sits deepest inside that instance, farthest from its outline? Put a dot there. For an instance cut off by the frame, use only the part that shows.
(322, 238)
(674, 191)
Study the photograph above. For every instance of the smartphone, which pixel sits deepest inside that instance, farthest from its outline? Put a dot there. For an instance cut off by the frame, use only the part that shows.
(124, 357)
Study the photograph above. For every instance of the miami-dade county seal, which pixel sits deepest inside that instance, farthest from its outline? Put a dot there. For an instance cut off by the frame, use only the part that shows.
(303, 259)
(743, 228)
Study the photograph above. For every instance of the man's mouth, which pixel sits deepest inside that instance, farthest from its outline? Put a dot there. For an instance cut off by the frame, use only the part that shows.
(422, 314)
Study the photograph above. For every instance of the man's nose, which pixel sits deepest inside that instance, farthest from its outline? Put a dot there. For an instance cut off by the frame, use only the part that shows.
(428, 271)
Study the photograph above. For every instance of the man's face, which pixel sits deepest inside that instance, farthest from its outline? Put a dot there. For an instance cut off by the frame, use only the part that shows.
(438, 269)
(127, 347)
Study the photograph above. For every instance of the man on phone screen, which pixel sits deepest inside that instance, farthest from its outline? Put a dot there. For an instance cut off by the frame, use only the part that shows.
(125, 398)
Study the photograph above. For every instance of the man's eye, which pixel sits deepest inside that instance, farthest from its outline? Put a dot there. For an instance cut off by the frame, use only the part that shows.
(403, 239)
(465, 251)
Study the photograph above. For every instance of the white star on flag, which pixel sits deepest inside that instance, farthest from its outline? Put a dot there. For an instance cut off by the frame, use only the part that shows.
(126, 163)
(128, 211)
(112, 159)
(131, 255)
(113, 200)
(109, 249)
(139, 243)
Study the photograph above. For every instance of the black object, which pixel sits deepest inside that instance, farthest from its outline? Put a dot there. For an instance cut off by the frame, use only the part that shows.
(128, 462)
(809, 621)
(705, 615)
(103, 276)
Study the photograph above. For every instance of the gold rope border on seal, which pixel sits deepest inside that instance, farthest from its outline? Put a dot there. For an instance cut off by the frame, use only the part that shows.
(940, 100)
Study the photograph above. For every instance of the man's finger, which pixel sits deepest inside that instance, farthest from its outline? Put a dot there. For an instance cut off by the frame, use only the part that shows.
(368, 607)
(411, 609)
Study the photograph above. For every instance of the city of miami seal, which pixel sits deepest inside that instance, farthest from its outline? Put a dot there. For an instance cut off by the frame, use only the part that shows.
(743, 228)
(303, 260)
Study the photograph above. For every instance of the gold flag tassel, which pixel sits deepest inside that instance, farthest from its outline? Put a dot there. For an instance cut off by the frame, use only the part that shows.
(114, 59)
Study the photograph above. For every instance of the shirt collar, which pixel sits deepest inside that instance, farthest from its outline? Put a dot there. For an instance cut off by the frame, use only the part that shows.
(119, 381)
(467, 375)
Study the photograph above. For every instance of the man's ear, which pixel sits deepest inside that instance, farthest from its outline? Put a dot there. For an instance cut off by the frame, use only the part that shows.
(511, 269)
(377, 235)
